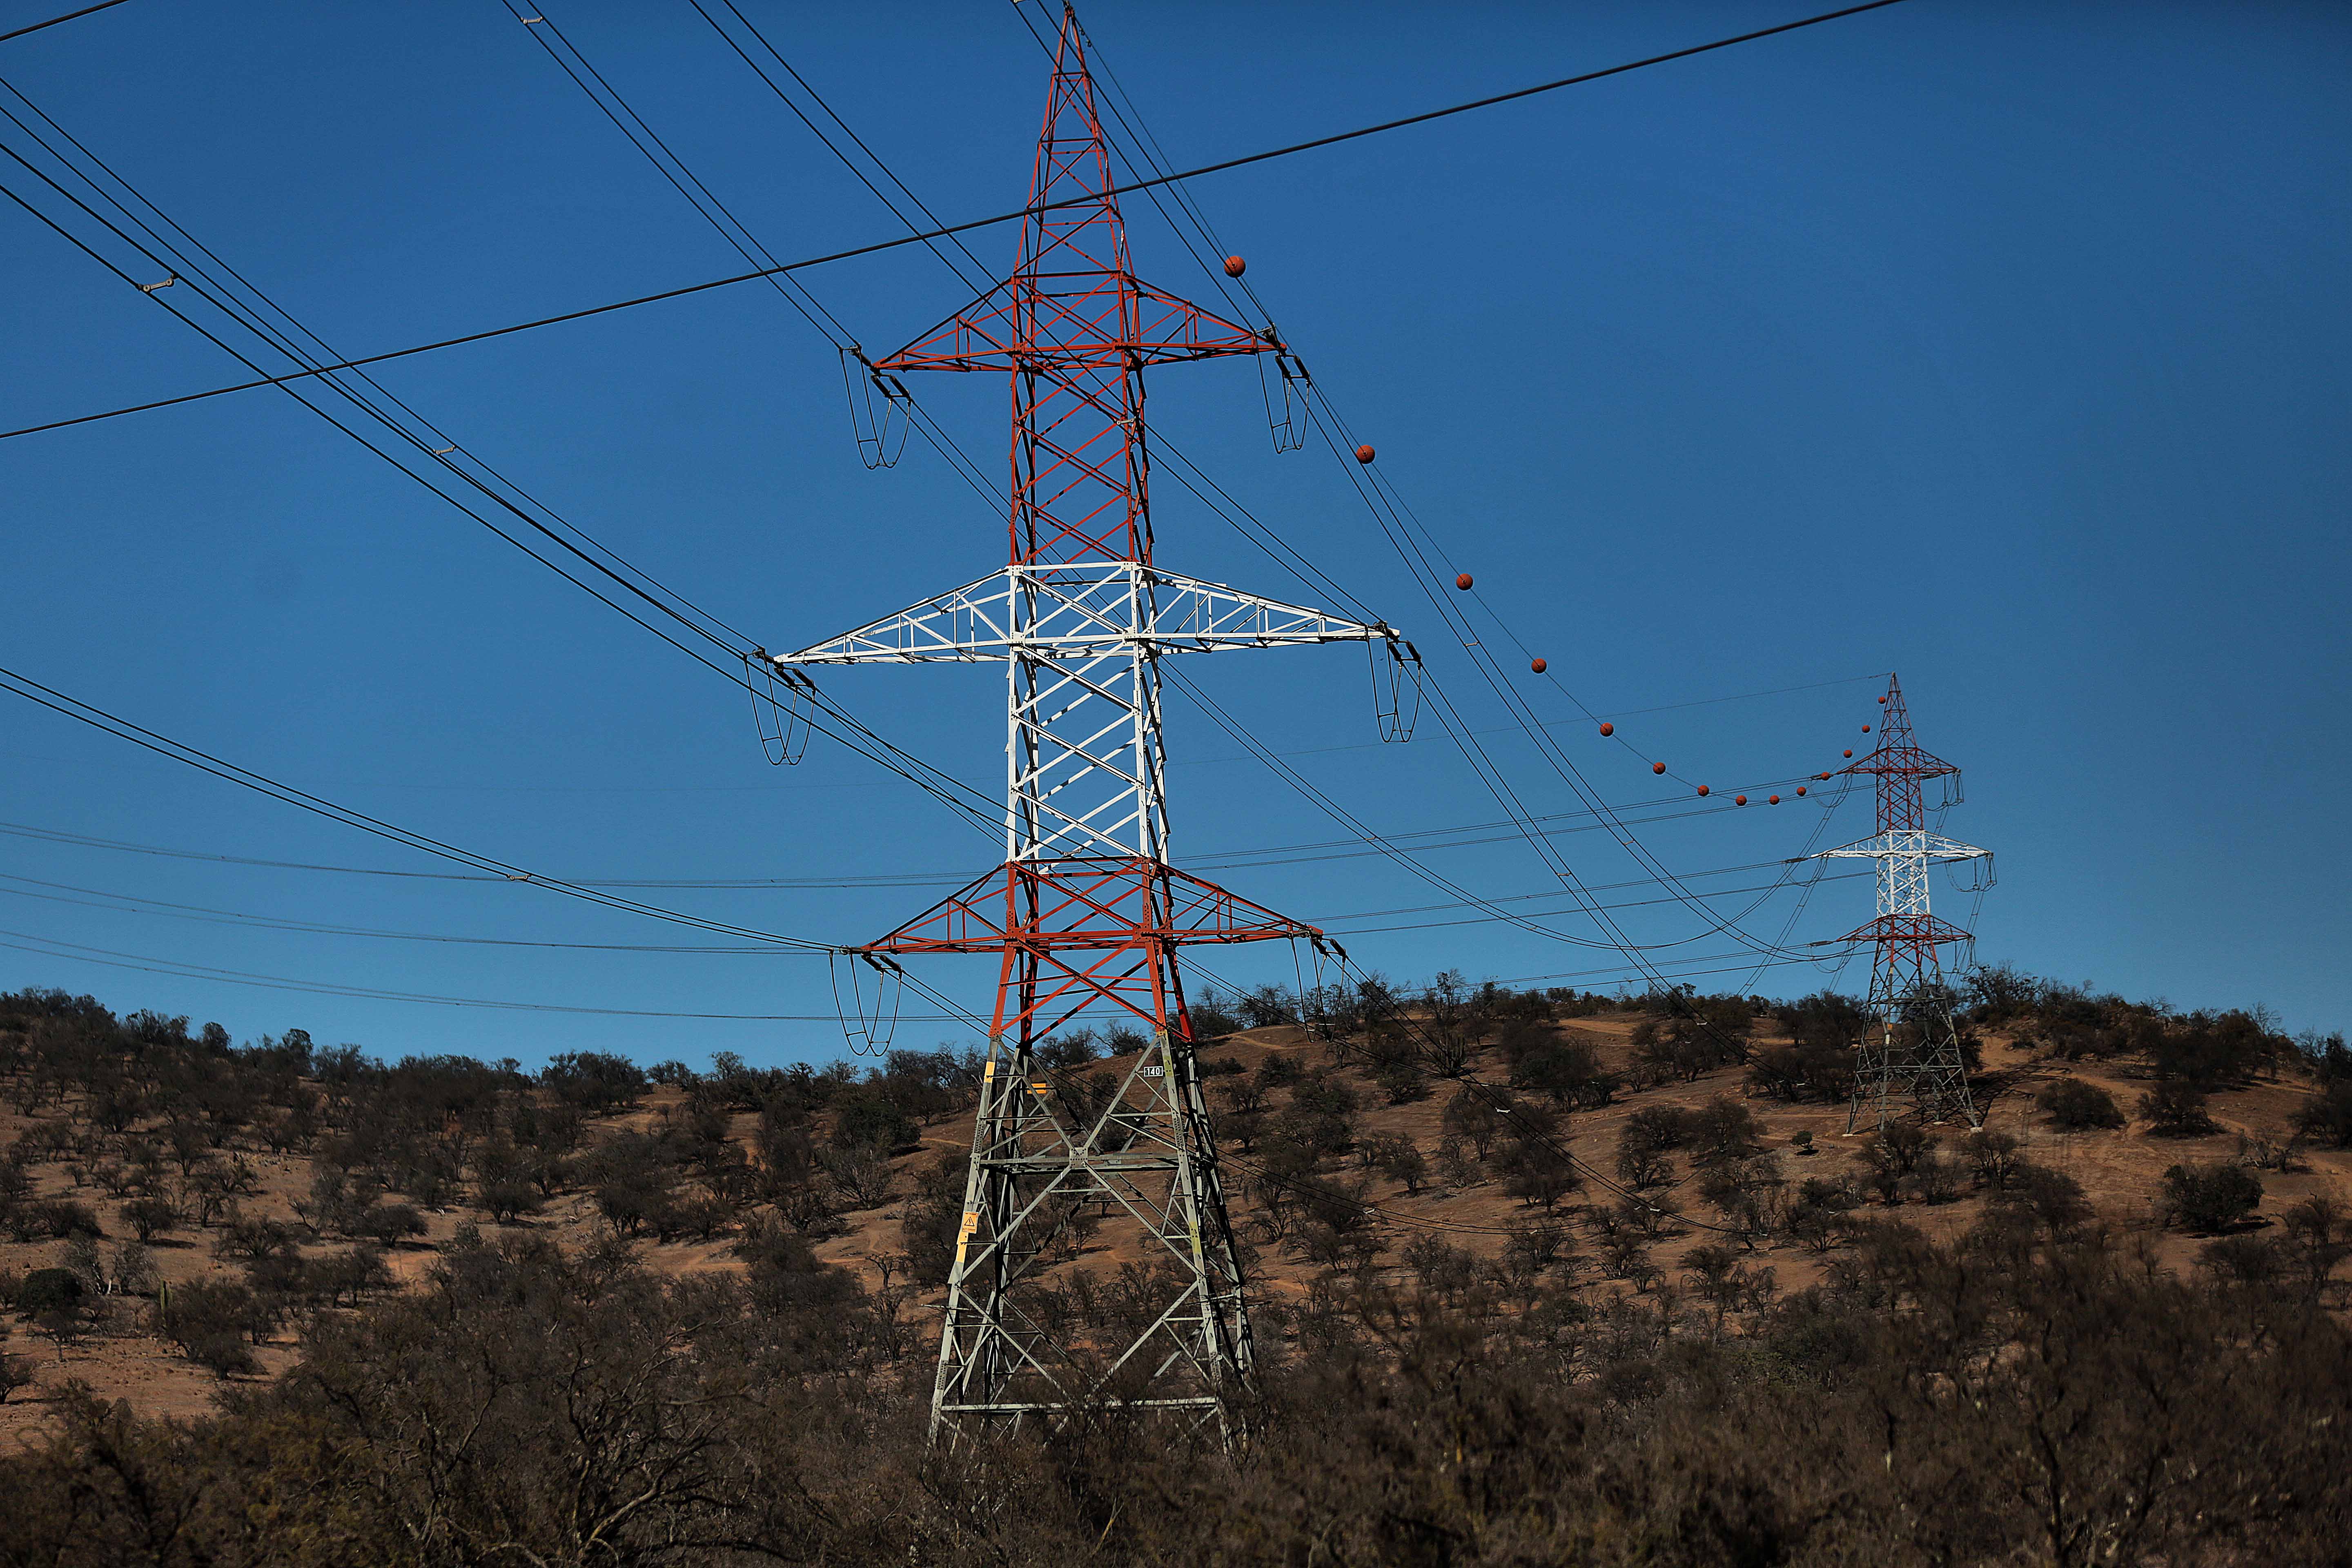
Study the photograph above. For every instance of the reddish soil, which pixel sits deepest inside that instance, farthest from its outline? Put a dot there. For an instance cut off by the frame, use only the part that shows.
(2119, 1172)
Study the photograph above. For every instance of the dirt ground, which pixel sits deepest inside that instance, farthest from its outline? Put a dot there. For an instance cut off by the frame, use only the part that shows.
(2119, 1172)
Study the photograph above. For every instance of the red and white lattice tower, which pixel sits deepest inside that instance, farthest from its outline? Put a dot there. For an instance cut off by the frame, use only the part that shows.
(1912, 1051)
(1086, 915)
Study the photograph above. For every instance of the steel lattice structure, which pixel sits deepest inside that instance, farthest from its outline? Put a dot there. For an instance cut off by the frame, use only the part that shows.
(1913, 1049)
(1086, 914)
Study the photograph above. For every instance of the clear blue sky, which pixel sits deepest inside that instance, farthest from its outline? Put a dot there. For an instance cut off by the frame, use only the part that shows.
(2002, 346)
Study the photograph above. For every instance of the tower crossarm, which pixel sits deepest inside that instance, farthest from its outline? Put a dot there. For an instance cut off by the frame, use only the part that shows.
(1904, 845)
(1067, 905)
(1917, 931)
(1078, 611)
(1044, 320)
(1902, 760)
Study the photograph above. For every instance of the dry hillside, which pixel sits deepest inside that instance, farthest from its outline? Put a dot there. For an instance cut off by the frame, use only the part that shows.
(310, 1212)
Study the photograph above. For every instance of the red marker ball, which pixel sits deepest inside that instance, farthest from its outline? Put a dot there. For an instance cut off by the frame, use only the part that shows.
(1881, 702)
(1865, 729)
(1702, 789)
(1657, 767)
(1608, 729)
(1364, 453)
(1849, 751)
(1771, 800)
(1537, 664)
(1463, 582)
(1739, 800)
(1800, 789)
(1235, 266)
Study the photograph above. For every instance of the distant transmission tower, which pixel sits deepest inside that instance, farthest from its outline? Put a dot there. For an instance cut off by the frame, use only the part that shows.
(1086, 914)
(1911, 1052)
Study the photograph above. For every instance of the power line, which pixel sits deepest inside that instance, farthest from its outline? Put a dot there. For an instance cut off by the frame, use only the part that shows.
(1271, 855)
(1134, 131)
(1473, 753)
(843, 883)
(1622, 944)
(1375, 842)
(138, 903)
(1338, 592)
(1482, 764)
(1582, 894)
(600, 90)
(688, 185)
(1554, 892)
(113, 959)
(89, 841)
(1499, 786)
(682, 179)
(163, 745)
(943, 231)
(693, 624)
(983, 280)
(1409, 549)
(70, 15)
(547, 35)
(835, 884)
(975, 808)
(256, 323)
(1764, 887)
(210, 916)
(1393, 520)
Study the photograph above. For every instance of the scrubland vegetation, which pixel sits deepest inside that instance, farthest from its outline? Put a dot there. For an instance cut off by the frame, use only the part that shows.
(280, 1303)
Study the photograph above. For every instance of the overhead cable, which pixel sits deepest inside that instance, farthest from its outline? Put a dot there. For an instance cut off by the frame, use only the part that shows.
(70, 15)
(126, 903)
(1239, 515)
(684, 178)
(132, 903)
(261, 784)
(600, 90)
(1488, 772)
(1483, 764)
(108, 957)
(733, 648)
(942, 231)
(1417, 841)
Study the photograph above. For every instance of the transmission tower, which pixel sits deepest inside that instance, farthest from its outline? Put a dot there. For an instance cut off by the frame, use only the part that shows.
(1911, 1050)
(1086, 915)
